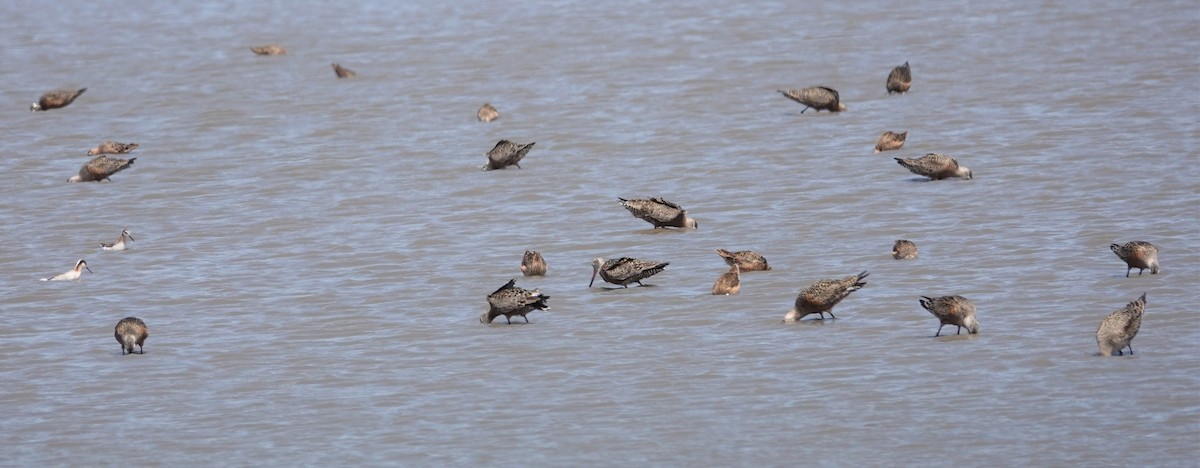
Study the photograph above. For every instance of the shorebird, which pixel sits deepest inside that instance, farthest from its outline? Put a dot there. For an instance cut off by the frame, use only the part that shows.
(900, 79)
(510, 300)
(112, 147)
(952, 310)
(823, 295)
(73, 273)
(487, 113)
(625, 270)
(904, 250)
(935, 166)
(1137, 254)
(890, 140)
(131, 331)
(1117, 330)
(506, 153)
(55, 99)
(728, 283)
(271, 49)
(659, 212)
(745, 260)
(100, 168)
(532, 264)
(817, 97)
(343, 72)
(120, 243)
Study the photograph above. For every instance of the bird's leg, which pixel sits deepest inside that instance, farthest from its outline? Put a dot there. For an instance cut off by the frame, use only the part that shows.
(1127, 270)
(1131, 349)
(507, 320)
(939, 332)
(1140, 270)
(526, 318)
(831, 314)
(959, 329)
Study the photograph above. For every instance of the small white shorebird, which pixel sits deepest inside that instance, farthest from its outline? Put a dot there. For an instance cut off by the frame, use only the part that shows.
(120, 243)
(74, 273)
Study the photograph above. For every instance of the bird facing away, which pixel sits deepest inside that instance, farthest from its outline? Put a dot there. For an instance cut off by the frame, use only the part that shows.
(100, 168)
(271, 49)
(510, 300)
(935, 166)
(131, 331)
(817, 97)
(904, 250)
(73, 273)
(1137, 254)
(900, 79)
(506, 153)
(487, 113)
(952, 310)
(343, 72)
(625, 270)
(890, 140)
(112, 147)
(532, 264)
(55, 100)
(1117, 330)
(745, 260)
(659, 212)
(120, 243)
(823, 295)
(729, 282)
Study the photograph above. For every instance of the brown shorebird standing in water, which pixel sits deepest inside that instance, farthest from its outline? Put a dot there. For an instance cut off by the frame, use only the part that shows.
(342, 72)
(532, 264)
(271, 49)
(55, 100)
(817, 97)
(510, 300)
(487, 113)
(745, 260)
(659, 212)
(625, 270)
(506, 153)
(823, 295)
(935, 166)
(120, 243)
(1137, 254)
(112, 147)
(952, 310)
(900, 79)
(1117, 330)
(131, 331)
(890, 140)
(100, 168)
(904, 250)
(728, 283)
(73, 273)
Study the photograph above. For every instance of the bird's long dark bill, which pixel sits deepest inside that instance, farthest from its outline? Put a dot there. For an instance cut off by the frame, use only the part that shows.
(593, 278)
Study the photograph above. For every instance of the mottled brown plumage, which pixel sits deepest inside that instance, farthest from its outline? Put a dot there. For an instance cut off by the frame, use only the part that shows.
(817, 97)
(271, 49)
(131, 331)
(1117, 330)
(343, 72)
(935, 166)
(821, 296)
(900, 79)
(745, 260)
(56, 99)
(890, 140)
(487, 113)
(510, 300)
(952, 310)
(100, 168)
(728, 283)
(112, 147)
(532, 264)
(625, 270)
(659, 212)
(1137, 254)
(904, 250)
(506, 153)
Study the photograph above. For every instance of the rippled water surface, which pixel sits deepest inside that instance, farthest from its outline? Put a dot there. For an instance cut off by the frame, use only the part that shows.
(312, 254)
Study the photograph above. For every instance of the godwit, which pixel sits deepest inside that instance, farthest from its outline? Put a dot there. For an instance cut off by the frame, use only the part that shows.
(506, 153)
(112, 147)
(55, 100)
(73, 273)
(952, 310)
(823, 295)
(745, 260)
(342, 72)
(900, 79)
(817, 97)
(1137, 254)
(120, 243)
(510, 300)
(625, 270)
(728, 283)
(487, 113)
(131, 331)
(890, 140)
(660, 213)
(1117, 330)
(271, 49)
(100, 168)
(904, 250)
(532, 264)
(935, 166)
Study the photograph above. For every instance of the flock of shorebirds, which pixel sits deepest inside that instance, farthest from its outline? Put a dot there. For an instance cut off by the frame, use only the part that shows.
(1115, 333)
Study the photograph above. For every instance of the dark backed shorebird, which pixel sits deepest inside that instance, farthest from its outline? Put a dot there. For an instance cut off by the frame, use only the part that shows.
(532, 264)
(112, 147)
(120, 243)
(487, 113)
(890, 140)
(1117, 330)
(100, 168)
(271, 49)
(56, 99)
(343, 72)
(821, 296)
(952, 310)
(131, 331)
(745, 260)
(904, 250)
(506, 153)
(935, 166)
(73, 273)
(510, 300)
(1137, 254)
(817, 97)
(728, 283)
(625, 270)
(900, 79)
(659, 212)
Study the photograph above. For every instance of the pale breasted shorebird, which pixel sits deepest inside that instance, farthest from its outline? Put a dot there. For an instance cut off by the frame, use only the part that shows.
(532, 264)
(821, 296)
(73, 273)
(890, 140)
(952, 310)
(904, 250)
(120, 243)
(1117, 330)
(510, 300)
(659, 212)
(900, 79)
(935, 166)
(55, 99)
(487, 113)
(625, 270)
(112, 147)
(816, 97)
(131, 331)
(1137, 254)
(271, 49)
(100, 168)
(343, 72)
(729, 282)
(745, 260)
(506, 153)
